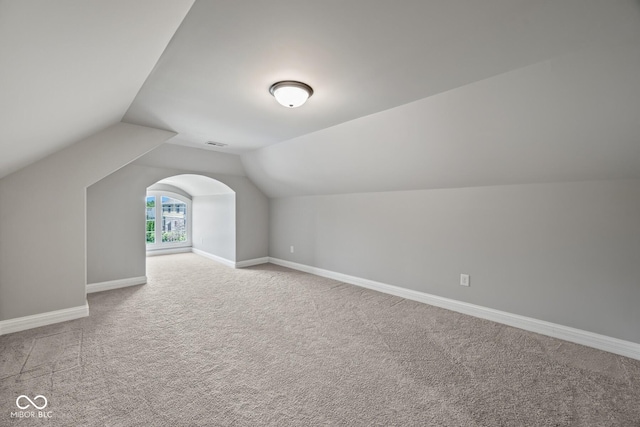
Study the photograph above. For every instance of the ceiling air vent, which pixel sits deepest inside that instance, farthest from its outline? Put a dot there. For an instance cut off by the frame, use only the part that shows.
(216, 144)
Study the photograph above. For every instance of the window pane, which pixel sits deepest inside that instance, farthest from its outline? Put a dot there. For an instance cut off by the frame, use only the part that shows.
(151, 219)
(174, 220)
(151, 208)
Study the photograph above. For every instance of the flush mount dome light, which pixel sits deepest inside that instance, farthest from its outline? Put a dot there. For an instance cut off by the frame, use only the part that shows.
(291, 94)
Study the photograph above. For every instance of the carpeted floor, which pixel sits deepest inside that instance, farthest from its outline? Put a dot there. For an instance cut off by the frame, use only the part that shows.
(203, 344)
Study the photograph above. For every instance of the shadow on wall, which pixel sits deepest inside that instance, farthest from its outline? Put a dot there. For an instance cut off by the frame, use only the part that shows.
(189, 211)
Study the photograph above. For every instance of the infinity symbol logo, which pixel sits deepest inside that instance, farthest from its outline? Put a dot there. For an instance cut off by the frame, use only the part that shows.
(35, 405)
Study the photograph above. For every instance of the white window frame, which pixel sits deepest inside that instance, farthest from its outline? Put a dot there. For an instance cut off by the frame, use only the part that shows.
(159, 244)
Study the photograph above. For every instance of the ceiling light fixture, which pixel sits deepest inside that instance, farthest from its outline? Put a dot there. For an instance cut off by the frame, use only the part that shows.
(291, 94)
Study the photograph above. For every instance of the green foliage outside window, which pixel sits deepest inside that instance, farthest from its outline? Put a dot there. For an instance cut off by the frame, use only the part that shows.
(151, 231)
(174, 236)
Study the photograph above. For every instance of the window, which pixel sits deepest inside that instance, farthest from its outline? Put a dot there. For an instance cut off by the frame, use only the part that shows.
(151, 219)
(168, 220)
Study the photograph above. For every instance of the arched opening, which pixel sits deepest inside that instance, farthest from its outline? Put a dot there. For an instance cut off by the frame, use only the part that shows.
(191, 212)
(229, 219)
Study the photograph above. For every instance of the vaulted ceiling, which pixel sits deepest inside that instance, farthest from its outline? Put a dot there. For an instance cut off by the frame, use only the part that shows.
(70, 68)
(408, 94)
(360, 56)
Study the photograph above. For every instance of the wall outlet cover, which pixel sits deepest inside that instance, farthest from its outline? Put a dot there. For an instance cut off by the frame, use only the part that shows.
(465, 280)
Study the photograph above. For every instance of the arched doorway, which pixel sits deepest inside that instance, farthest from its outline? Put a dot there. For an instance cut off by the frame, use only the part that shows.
(230, 222)
(191, 212)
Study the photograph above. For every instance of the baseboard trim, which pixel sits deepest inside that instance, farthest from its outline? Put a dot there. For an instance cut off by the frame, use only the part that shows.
(116, 284)
(216, 258)
(228, 262)
(169, 251)
(43, 319)
(251, 262)
(578, 336)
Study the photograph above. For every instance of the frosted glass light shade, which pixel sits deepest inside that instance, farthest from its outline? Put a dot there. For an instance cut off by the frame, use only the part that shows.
(291, 94)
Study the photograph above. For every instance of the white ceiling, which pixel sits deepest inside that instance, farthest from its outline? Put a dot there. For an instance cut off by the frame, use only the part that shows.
(573, 118)
(408, 94)
(360, 56)
(197, 185)
(70, 68)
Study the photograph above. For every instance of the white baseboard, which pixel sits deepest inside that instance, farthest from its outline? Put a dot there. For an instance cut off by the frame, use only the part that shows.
(115, 284)
(578, 336)
(216, 258)
(169, 251)
(250, 262)
(228, 262)
(28, 322)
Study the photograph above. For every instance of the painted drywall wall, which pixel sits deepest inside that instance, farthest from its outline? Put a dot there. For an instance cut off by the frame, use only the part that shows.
(214, 225)
(120, 253)
(568, 253)
(172, 156)
(42, 206)
(111, 202)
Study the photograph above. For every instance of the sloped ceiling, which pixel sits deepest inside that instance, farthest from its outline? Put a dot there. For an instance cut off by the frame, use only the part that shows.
(408, 94)
(70, 68)
(572, 118)
(360, 56)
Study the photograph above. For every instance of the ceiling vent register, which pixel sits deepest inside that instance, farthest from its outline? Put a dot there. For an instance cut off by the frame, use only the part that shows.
(216, 144)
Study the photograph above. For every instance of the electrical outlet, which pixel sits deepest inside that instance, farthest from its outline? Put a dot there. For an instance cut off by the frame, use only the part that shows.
(465, 280)
(291, 249)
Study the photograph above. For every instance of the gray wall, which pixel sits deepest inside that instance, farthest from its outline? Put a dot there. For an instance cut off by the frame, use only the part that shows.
(119, 253)
(172, 156)
(115, 207)
(214, 225)
(567, 253)
(42, 206)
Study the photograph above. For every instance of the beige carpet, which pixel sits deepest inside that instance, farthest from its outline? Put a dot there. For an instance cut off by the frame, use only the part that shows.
(202, 344)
